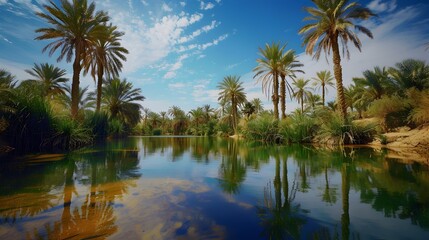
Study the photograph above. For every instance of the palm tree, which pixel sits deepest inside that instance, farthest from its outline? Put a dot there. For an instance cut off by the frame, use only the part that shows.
(74, 28)
(208, 111)
(258, 105)
(332, 22)
(268, 70)
(410, 73)
(301, 92)
(7, 80)
(248, 109)
(197, 116)
(105, 58)
(179, 119)
(323, 80)
(120, 100)
(50, 78)
(313, 100)
(376, 83)
(289, 68)
(232, 91)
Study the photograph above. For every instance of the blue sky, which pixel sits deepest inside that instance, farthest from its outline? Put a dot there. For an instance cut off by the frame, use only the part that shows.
(180, 50)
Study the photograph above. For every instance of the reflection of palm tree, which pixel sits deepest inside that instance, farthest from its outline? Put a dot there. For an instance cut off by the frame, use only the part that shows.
(279, 220)
(329, 194)
(232, 171)
(345, 189)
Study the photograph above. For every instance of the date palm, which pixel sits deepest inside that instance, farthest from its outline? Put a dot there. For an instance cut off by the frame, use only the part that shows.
(331, 24)
(258, 105)
(119, 99)
(105, 58)
(289, 68)
(74, 27)
(50, 78)
(231, 90)
(375, 82)
(268, 70)
(323, 80)
(301, 91)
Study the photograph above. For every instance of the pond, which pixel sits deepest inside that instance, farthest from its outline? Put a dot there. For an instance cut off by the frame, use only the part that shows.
(210, 188)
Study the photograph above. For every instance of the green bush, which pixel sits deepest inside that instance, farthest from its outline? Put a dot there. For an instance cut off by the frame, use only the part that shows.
(298, 128)
(116, 128)
(157, 132)
(98, 122)
(333, 130)
(264, 128)
(69, 135)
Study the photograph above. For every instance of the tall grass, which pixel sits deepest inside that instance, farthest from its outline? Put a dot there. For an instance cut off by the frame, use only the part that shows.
(298, 128)
(69, 135)
(264, 128)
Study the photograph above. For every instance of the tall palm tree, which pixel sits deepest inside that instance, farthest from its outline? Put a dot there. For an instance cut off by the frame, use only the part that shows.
(323, 80)
(301, 91)
(289, 68)
(74, 27)
(231, 90)
(208, 111)
(410, 73)
(50, 78)
(258, 105)
(120, 100)
(268, 71)
(105, 58)
(85, 99)
(179, 119)
(332, 23)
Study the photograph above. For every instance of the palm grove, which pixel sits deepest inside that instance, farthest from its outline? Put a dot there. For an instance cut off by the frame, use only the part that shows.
(93, 45)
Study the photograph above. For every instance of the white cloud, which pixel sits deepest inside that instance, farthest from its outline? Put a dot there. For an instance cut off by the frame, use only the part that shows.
(28, 4)
(197, 32)
(201, 93)
(206, 6)
(2, 2)
(379, 6)
(218, 1)
(213, 43)
(176, 66)
(144, 2)
(5, 39)
(182, 4)
(166, 8)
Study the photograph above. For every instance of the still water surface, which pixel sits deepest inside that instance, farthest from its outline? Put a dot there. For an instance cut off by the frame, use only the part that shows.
(208, 188)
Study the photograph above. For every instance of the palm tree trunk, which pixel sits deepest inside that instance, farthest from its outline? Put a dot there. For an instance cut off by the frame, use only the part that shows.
(339, 77)
(100, 72)
(283, 95)
(302, 104)
(75, 84)
(276, 96)
(234, 115)
(323, 94)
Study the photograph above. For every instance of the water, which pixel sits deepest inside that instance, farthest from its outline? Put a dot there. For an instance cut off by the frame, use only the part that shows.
(204, 188)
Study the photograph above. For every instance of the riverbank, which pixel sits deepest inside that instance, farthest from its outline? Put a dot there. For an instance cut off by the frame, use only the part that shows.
(406, 144)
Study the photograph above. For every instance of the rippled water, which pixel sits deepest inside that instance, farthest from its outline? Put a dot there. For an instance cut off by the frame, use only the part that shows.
(204, 188)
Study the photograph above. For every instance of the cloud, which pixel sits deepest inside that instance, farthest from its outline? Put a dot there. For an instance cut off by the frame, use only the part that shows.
(379, 6)
(5, 39)
(144, 2)
(206, 6)
(176, 66)
(182, 4)
(213, 43)
(198, 32)
(166, 8)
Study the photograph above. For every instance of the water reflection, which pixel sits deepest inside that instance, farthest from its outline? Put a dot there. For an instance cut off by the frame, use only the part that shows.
(166, 188)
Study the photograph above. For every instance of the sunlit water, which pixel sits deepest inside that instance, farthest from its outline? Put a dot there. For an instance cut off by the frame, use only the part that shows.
(203, 188)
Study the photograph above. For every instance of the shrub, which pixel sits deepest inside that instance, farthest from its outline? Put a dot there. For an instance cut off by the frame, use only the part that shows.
(157, 132)
(98, 122)
(419, 101)
(393, 110)
(69, 135)
(116, 128)
(334, 130)
(264, 128)
(298, 128)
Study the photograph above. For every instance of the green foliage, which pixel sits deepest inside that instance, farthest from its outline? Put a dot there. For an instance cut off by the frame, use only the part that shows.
(99, 123)
(334, 130)
(157, 132)
(391, 109)
(69, 135)
(116, 128)
(264, 128)
(223, 129)
(419, 101)
(298, 128)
